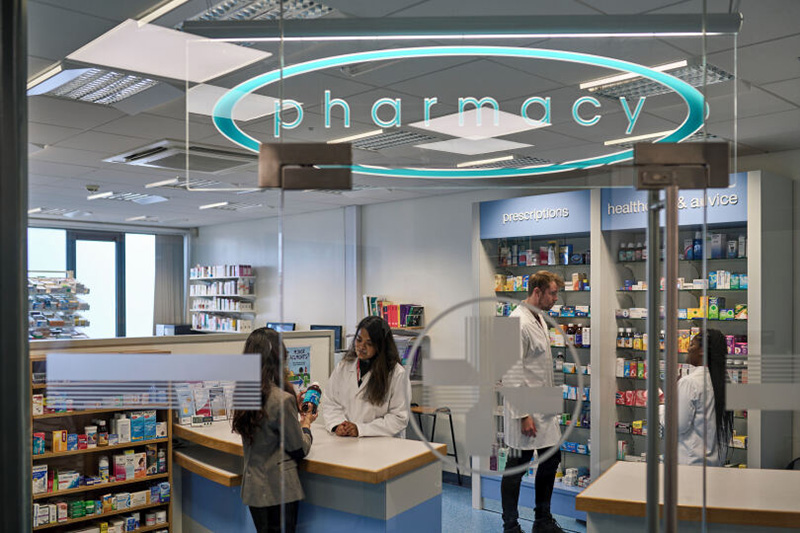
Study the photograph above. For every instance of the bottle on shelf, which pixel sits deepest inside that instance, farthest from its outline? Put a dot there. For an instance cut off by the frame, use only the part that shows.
(662, 339)
(637, 341)
(622, 257)
(551, 253)
(620, 337)
(638, 252)
(571, 333)
(697, 245)
(630, 253)
(586, 337)
(578, 335)
(628, 339)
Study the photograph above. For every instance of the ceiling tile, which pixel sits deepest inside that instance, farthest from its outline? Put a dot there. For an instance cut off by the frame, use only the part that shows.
(106, 143)
(789, 89)
(69, 113)
(147, 126)
(49, 134)
(47, 37)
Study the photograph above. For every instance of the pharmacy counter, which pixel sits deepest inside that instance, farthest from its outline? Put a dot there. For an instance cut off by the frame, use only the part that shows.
(373, 484)
(737, 500)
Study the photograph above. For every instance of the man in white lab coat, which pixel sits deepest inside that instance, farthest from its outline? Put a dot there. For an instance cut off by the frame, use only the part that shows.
(529, 431)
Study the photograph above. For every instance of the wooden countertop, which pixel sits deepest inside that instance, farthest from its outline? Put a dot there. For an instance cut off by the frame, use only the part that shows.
(368, 459)
(756, 497)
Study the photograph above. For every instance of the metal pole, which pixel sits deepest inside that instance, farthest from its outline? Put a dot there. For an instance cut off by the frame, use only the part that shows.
(15, 379)
(653, 355)
(671, 370)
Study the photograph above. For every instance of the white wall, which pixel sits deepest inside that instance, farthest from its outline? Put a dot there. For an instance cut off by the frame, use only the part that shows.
(313, 264)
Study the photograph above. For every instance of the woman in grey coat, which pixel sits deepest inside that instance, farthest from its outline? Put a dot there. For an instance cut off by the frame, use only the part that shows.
(270, 472)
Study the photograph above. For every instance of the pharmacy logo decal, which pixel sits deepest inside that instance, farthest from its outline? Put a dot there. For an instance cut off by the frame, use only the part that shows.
(223, 110)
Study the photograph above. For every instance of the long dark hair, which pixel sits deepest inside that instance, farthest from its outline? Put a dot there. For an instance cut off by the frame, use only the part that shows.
(717, 362)
(267, 343)
(384, 361)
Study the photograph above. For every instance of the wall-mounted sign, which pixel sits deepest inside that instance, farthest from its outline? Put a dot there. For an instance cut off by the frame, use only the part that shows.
(626, 208)
(536, 108)
(545, 214)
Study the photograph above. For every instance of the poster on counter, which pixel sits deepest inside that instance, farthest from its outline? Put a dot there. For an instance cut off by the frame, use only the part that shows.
(299, 366)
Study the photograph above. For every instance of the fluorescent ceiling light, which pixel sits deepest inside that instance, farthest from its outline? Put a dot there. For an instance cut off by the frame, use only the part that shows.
(201, 99)
(49, 73)
(391, 139)
(355, 137)
(213, 206)
(644, 137)
(473, 147)
(455, 27)
(100, 195)
(629, 76)
(160, 11)
(162, 183)
(692, 73)
(141, 218)
(484, 161)
(263, 10)
(166, 53)
(507, 124)
(94, 85)
(34, 210)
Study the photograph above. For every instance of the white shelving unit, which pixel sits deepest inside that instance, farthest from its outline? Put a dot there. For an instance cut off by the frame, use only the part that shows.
(222, 298)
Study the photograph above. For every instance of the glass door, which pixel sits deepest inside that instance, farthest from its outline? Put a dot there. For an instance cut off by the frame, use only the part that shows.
(489, 249)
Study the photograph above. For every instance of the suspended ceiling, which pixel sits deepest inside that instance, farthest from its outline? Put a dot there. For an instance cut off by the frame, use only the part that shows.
(70, 140)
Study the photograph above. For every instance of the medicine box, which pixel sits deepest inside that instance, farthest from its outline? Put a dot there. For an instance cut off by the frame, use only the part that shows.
(149, 418)
(137, 426)
(38, 404)
(139, 465)
(68, 480)
(139, 498)
(59, 440)
(123, 430)
(39, 479)
(161, 430)
(72, 441)
(38, 443)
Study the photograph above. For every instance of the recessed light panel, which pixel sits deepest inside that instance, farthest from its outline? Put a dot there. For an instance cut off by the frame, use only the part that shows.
(166, 53)
(473, 147)
(468, 127)
(263, 10)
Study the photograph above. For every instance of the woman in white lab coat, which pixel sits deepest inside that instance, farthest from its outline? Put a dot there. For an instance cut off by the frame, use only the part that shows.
(701, 402)
(369, 392)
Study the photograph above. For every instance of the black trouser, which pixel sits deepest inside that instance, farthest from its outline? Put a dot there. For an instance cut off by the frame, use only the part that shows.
(545, 478)
(268, 519)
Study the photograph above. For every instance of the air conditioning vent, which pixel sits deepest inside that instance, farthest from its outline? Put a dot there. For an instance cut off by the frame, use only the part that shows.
(173, 155)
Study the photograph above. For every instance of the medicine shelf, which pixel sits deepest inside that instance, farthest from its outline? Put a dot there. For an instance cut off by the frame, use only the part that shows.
(687, 261)
(541, 267)
(144, 529)
(736, 320)
(52, 455)
(576, 453)
(81, 412)
(109, 513)
(576, 427)
(101, 486)
(526, 292)
(219, 278)
(685, 290)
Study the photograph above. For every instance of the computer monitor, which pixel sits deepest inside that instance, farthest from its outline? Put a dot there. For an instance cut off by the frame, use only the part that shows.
(337, 334)
(281, 326)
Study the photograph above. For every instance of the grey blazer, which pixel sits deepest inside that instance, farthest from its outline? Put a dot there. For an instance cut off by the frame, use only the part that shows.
(270, 475)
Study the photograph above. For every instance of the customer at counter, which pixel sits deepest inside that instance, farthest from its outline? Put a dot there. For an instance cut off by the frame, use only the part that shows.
(270, 476)
(369, 392)
(701, 402)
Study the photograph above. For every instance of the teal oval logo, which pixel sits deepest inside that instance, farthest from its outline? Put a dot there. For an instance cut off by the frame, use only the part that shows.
(223, 110)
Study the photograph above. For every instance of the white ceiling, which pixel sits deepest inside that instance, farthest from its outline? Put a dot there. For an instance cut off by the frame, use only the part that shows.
(77, 137)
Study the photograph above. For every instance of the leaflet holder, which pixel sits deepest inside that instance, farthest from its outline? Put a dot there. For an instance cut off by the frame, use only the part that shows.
(300, 166)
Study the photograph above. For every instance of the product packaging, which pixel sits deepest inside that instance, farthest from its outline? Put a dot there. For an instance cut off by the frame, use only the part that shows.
(39, 479)
(38, 443)
(123, 430)
(137, 426)
(72, 441)
(151, 451)
(38, 404)
(740, 312)
(59, 440)
(83, 441)
(91, 436)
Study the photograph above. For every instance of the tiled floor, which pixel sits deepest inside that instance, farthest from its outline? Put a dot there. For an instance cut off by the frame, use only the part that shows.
(458, 516)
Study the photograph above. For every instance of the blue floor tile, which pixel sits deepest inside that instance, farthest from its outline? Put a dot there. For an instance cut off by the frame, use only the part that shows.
(458, 516)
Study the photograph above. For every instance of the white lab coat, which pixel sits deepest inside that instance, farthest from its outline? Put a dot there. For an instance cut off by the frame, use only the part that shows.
(343, 399)
(691, 419)
(535, 369)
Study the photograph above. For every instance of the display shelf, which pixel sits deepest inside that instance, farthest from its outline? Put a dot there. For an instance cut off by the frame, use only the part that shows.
(559, 292)
(54, 307)
(101, 486)
(734, 321)
(689, 261)
(199, 330)
(624, 291)
(575, 453)
(220, 278)
(52, 455)
(78, 460)
(103, 515)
